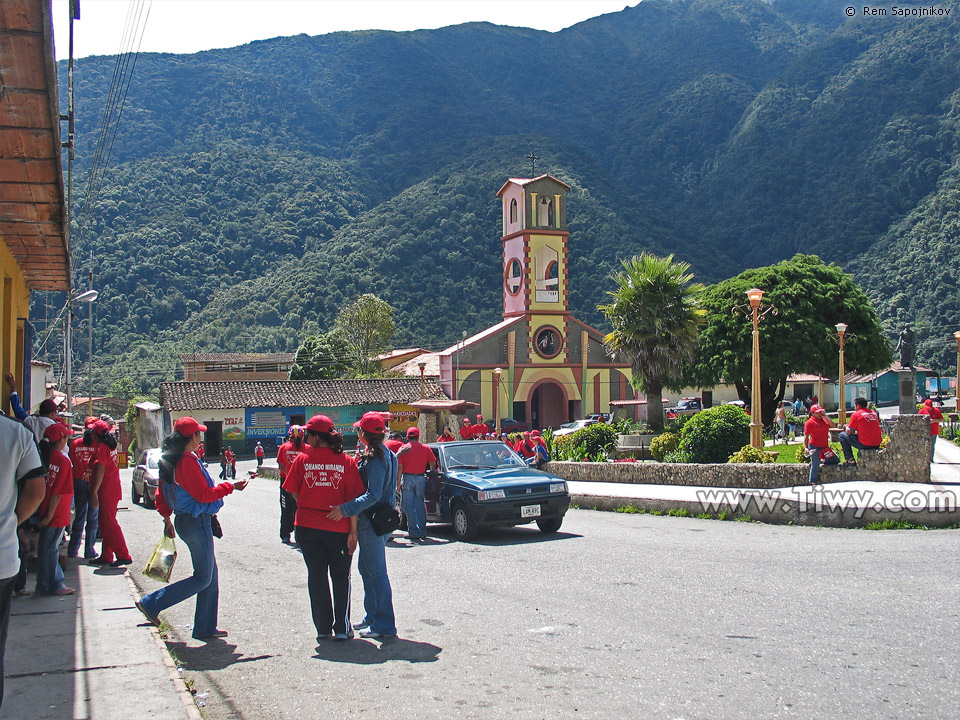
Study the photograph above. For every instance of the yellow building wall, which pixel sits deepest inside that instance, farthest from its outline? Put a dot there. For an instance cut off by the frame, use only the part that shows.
(531, 376)
(555, 243)
(15, 308)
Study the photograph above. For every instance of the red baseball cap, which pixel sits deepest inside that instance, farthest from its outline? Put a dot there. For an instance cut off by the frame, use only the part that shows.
(413, 432)
(534, 433)
(89, 421)
(47, 406)
(187, 426)
(371, 422)
(815, 409)
(101, 427)
(319, 424)
(56, 432)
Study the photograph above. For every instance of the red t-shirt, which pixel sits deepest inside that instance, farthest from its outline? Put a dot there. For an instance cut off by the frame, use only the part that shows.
(417, 459)
(466, 432)
(80, 456)
(59, 482)
(258, 451)
(286, 454)
(103, 455)
(935, 417)
(393, 445)
(866, 423)
(524, 450)
(819, 431)
(322, 479)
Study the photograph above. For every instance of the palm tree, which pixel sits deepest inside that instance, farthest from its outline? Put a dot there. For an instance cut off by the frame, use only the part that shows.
(656, 319)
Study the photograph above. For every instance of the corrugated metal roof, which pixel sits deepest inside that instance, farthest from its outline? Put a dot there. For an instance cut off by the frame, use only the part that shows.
(227, 395)
(237, 357)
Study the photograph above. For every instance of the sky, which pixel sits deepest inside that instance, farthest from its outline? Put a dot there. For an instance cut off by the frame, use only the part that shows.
(189, 26)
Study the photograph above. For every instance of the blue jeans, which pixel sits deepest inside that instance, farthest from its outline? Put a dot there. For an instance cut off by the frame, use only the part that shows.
(372, 563)
(815, 464)
(84, 514)
(933, 446)
(49, 572)
(848, 442)
(412, 503)
(196, 533)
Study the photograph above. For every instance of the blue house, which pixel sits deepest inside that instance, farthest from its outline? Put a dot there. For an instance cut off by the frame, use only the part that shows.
(880, 387)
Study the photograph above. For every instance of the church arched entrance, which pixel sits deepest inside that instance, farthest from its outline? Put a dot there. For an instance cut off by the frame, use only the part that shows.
(548, 405)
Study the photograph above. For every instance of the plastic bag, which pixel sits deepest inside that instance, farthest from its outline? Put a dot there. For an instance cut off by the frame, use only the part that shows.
(160, 565)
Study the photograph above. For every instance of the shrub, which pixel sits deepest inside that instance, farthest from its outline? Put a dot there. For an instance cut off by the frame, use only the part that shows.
(663, 444)
(589, 443)
(750, 454)
(677, 456)
(713, 435)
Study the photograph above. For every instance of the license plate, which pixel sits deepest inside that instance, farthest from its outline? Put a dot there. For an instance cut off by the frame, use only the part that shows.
(530, 511)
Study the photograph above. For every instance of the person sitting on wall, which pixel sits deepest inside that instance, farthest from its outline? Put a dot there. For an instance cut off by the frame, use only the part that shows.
(862, 432)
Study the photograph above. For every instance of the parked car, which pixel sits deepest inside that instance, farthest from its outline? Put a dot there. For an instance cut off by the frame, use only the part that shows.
(484, 484)
(507, 425)
(146, 477)
(572, 427)
(600, 417)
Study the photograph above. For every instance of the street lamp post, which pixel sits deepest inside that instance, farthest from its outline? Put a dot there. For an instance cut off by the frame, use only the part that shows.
(423, 383)
(88, 297)
(497, 373)
(841, 331)
(756, 312)
(456, 378)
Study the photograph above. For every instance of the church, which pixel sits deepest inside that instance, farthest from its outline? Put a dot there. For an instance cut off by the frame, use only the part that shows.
(540, 366)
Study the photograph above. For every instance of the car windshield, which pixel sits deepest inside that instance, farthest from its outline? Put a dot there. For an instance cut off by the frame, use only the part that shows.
(480, 456)
(153, 460)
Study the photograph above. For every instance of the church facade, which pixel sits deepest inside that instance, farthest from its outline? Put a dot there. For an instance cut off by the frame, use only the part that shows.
(540, 365)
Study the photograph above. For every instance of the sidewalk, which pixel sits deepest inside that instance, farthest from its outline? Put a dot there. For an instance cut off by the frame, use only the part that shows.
(88, 656)
(849, 504)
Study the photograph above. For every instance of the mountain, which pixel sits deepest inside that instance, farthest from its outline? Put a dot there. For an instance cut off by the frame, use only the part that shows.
(254, 190)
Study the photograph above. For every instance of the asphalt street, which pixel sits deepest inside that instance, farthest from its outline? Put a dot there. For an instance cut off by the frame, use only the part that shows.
(617, 615)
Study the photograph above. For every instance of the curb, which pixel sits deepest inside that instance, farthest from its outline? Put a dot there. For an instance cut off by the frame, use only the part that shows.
(784, 512)
(183, 692)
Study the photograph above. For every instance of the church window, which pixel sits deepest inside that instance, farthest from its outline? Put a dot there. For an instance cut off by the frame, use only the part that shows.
(513, 276)
(547, 342)
(513, 210)
(545, 216)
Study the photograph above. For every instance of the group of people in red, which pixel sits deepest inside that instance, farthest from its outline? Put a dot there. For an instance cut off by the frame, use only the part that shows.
(528, 445)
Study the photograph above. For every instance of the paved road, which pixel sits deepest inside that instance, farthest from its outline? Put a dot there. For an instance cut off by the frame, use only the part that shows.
(619, 615)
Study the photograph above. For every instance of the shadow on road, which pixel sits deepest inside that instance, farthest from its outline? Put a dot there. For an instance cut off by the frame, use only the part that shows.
(504, 536)
(214, 655)
(362, 652)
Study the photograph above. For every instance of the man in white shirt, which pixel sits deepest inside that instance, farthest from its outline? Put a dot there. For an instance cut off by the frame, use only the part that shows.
(21, 492)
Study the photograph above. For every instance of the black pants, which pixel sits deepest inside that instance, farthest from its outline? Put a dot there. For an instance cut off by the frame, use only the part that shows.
(325, 553)
(6, 600)
(288, 511)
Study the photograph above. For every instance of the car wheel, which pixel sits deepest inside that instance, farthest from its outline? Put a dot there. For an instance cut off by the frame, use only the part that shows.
(550, 525)
(464, 526)
(133, 494)
(148, 498)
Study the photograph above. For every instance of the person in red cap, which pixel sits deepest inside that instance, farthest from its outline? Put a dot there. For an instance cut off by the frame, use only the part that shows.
(414, 460)
(935, 415)
(540, 455)
(524, 447)
(105, 493)
(84, 513)
(320, 478)
(54, 510)
(466, 429)
(286, 454)
(378, 470)
(187, 492)
(816, 440)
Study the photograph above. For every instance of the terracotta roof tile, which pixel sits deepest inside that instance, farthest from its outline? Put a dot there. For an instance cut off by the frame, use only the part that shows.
(226, 395)
(237, 357)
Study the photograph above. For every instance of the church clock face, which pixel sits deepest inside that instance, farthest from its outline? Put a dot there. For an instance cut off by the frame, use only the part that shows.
(547, 342)
(513, 276)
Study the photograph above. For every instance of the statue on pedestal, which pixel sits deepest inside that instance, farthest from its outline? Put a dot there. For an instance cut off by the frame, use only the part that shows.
(907, 345)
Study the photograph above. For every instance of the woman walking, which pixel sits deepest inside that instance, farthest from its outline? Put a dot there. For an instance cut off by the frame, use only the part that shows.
(378, 470)
(105, 494)
(321, 477)
(187, 491)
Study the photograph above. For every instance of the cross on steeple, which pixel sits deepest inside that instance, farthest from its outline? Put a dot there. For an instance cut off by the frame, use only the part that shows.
(532, 157)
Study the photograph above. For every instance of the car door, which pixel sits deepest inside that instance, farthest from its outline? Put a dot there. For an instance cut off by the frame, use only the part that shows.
(434, 489)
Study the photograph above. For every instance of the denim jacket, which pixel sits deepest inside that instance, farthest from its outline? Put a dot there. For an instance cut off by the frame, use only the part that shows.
(380, 478)
(183, 502)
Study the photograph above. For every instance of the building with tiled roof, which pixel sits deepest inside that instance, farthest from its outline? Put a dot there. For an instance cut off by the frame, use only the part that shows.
(240, 414)
(199, 367)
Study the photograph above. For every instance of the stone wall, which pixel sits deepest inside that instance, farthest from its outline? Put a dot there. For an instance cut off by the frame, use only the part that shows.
(905, 459)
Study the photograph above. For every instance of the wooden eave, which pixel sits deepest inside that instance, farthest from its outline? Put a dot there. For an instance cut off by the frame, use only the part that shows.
(32, 207)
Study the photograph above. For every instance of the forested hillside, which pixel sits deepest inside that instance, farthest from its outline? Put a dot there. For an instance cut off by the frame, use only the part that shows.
(255, 190)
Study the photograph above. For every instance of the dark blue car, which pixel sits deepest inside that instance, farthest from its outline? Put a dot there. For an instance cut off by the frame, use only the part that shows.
(486, 484)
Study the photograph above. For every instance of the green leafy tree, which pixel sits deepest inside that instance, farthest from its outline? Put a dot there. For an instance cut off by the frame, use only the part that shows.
(366, 328)
(124, 388)
(656, 319)
(713, 435)
(811, 298)
(321, 357)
